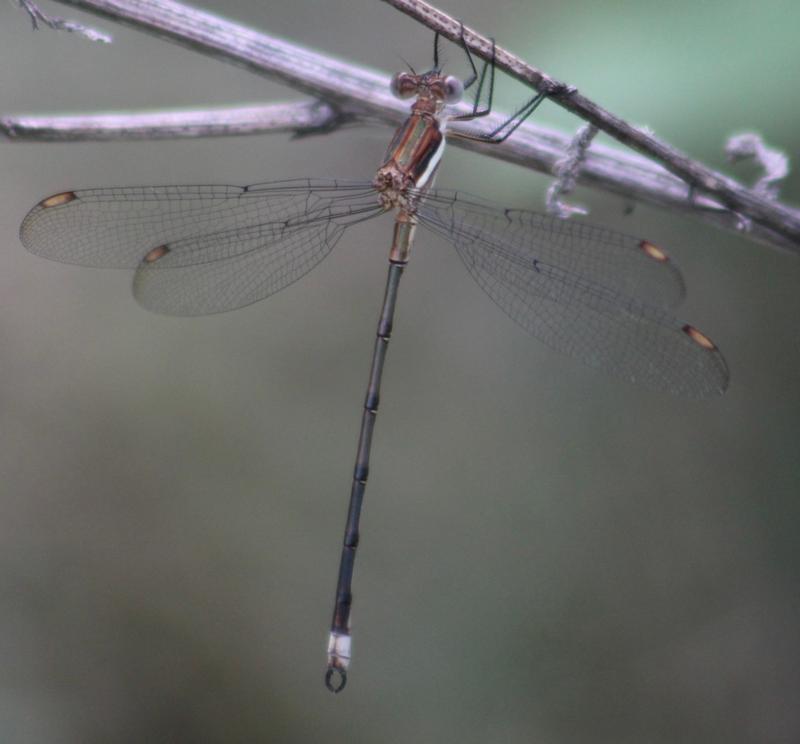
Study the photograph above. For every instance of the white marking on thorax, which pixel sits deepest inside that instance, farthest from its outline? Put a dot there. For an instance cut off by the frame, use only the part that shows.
(433, 163)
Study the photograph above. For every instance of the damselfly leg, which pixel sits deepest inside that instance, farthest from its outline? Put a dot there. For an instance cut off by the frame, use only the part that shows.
(505, 129)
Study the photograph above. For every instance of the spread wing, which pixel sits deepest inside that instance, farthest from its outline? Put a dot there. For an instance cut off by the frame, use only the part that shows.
(586, 291)
(200, 249)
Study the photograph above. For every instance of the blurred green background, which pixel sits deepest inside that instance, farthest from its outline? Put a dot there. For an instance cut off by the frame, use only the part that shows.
(547, 554)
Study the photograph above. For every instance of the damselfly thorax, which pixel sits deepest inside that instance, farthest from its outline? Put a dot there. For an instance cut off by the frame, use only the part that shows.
(415, 151)
(417, 146)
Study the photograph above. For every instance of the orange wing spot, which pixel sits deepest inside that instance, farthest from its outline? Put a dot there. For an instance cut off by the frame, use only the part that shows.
(653, 251)
(158, 252)
(56, 200)
(699, 338)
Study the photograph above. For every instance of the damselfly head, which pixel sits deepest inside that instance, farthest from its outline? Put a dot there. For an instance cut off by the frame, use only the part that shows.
(404, 85)
(444, 88)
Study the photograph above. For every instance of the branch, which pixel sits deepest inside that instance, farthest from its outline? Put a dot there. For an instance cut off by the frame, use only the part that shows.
(747, 202)
(59, 24)
(300, 118)
(566, 171)
(361, 95)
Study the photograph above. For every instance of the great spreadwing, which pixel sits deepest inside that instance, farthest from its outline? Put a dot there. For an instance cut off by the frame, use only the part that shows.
(590, 292)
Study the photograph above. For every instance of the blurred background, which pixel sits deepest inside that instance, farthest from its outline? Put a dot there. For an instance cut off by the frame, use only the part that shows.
(548, 554)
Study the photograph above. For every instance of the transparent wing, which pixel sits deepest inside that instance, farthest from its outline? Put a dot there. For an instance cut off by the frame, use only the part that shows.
(200, 249)
(585, 291)
(219, 272)
(628, 265)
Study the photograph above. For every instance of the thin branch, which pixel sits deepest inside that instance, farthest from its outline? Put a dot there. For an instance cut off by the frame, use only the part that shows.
(774, 163)
(299, 118)
(364, 96)
(745, 201)
(566, 172)
(59, 24)
(312, 73)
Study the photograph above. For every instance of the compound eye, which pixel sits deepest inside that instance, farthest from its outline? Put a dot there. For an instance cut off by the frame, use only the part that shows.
(453, 89)
(403, 85)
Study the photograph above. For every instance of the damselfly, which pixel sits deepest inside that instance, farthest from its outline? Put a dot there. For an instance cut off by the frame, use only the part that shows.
(598, 295)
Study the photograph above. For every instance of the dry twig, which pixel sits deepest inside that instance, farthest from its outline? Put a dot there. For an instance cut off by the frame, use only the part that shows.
(59, 24)
(300, 118)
